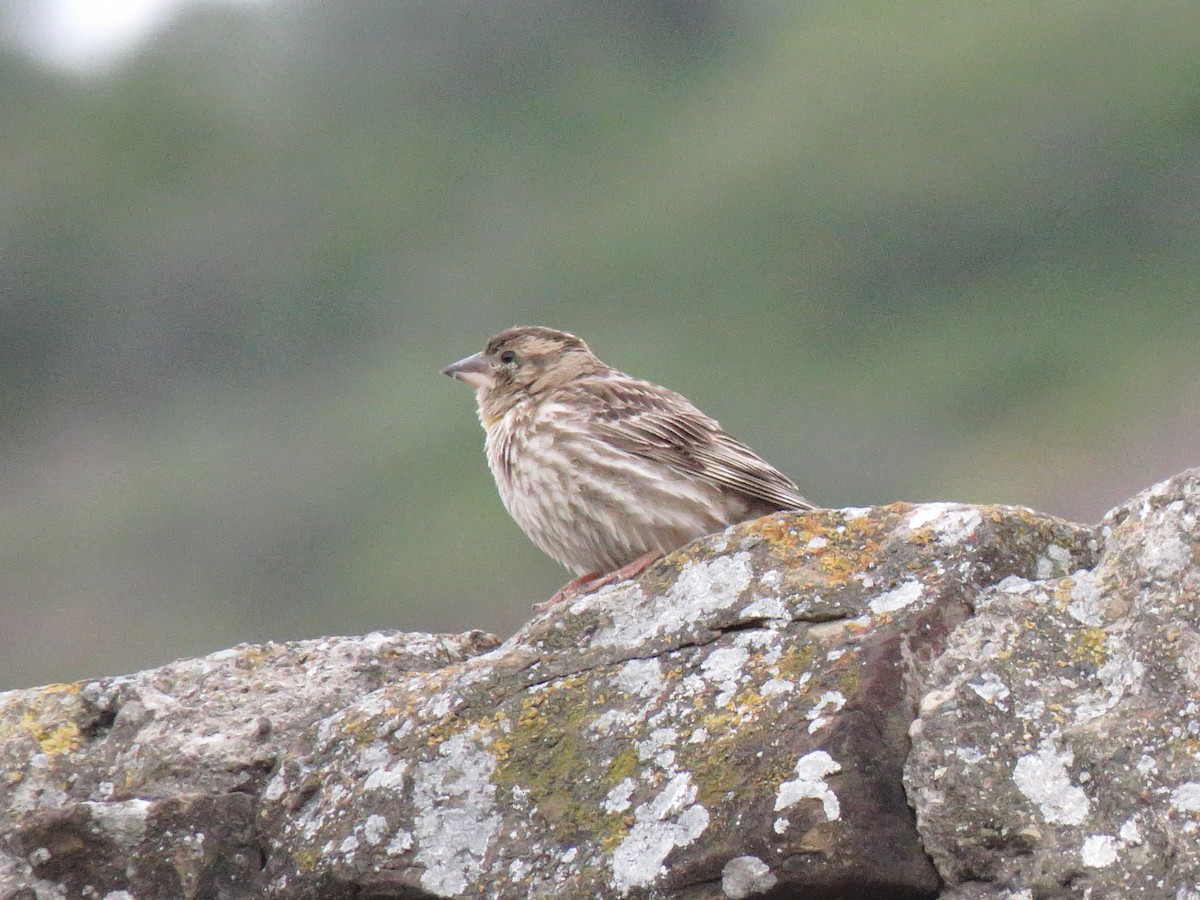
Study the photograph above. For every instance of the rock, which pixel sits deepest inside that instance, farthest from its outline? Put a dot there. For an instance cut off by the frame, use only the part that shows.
(148, 783)
(1063, 721)
(735, 724)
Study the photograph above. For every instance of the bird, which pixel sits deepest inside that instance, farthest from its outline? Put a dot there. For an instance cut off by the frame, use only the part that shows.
(605, 472)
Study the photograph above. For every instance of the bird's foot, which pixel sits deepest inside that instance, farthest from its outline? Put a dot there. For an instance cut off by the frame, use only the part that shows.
(571, 589)
(586, 584)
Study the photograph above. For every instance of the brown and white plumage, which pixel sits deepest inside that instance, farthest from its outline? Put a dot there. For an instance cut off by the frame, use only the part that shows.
(601, 469)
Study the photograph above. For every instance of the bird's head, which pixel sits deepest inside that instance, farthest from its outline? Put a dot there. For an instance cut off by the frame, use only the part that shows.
(522, 362)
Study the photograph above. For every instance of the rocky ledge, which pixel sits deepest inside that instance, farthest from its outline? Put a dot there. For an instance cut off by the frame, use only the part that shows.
(899, 702)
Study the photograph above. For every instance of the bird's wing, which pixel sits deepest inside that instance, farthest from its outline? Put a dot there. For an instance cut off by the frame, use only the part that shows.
(662, 426)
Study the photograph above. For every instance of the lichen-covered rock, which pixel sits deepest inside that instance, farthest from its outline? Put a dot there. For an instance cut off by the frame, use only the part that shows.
(733, 725)
(148, 783)
(1057, 752)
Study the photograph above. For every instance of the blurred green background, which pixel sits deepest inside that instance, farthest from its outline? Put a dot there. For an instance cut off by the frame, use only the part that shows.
(908, 251)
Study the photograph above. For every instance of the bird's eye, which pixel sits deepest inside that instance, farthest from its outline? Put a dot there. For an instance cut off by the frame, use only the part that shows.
(507, 357)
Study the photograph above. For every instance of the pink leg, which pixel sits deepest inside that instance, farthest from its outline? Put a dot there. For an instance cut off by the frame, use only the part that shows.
(585, 584)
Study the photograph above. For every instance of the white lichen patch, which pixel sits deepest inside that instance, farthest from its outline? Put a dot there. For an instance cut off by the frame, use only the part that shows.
(1042, 777)
(970, 755)
(457, 816)
(773, 687)
(389, 778)
(1167, 556)
(898, 598)
(439, 705)
(700, 589)
(809, 784)
(743, 876)
(620, 796)
(1186, 797)
(759, 639)
(724, 667)
(401, 841)
(724, 664)
(1056, 561)
(1121, 674)
(1031, 710)
(612, 719)
(373, 756)
(1129, 832)
(1011, 585)
(1098, 851)
(952, 524)
(672, 819)
(830, 701)
(641, 678)
(771, 579)
(123, 822)
(660, 747)
(925, 514)
(374, 829)
(1085, 606)
(991, 688)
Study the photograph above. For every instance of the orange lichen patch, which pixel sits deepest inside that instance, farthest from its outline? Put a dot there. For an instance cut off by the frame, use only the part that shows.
(850, 549)
(783, 536)
(497, 732)
(839, 566)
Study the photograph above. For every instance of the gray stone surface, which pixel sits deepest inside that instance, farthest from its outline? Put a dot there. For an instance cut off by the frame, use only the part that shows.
(1057, 751)
(148, 783)
(735, 724)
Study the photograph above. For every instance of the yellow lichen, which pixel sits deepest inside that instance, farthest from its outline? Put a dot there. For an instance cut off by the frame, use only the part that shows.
(251, 656)
(623, 766)
(796, 661)
(1088, 645)
(52, 739)
(544, 752)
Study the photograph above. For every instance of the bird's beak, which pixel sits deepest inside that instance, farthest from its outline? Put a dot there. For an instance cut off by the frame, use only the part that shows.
(474, 370)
